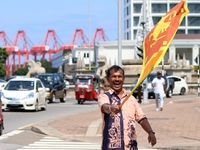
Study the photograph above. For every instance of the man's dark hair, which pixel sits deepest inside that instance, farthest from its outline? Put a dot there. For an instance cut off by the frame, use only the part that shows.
(116, 68)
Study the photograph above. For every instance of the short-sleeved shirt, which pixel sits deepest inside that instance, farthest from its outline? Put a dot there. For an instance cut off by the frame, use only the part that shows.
(119, 131)
(158, 85)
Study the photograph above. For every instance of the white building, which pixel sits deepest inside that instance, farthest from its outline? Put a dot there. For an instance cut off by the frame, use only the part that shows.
(187, 40)
(158, 8)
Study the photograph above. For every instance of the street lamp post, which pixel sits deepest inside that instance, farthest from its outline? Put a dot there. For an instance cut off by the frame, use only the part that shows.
(120, 32)
(89, 34)
(145, 93)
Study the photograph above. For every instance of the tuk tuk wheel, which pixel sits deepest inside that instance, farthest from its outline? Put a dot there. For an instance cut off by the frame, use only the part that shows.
(80, 101)
(1, 129)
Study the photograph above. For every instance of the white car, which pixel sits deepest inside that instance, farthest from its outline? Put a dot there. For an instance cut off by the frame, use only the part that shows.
(24, 93)
(2, 84)
(180, 85)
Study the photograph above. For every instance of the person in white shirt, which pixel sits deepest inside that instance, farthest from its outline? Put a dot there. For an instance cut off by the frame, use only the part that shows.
(158, 84)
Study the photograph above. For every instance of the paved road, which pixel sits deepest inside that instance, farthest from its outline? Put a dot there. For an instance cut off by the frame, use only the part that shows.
(20, 119)
(25, 139)
(18, 134)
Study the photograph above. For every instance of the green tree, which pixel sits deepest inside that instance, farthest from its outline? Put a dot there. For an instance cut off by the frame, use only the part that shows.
(21, 71)
(48, 66)
(3, 56)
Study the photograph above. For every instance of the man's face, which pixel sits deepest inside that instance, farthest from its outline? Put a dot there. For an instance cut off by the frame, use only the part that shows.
(159, 76)
(116, 80)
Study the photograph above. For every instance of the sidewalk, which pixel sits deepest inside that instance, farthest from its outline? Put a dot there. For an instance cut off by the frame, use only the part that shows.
(176, 127)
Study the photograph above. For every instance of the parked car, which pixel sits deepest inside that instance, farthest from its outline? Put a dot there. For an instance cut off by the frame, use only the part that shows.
(55, 86)
(168, 82)
(24, 93)
(180, 85)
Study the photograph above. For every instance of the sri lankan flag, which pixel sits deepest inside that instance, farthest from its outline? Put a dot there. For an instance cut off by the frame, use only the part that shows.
(159, 39)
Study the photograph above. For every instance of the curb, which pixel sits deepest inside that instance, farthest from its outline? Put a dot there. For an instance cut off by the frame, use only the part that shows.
(43, 128)
(40, 130)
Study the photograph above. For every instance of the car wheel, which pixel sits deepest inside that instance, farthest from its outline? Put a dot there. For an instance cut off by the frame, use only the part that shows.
(64, 97)
(53, 98)
(182, 92)
(45, 105)
(149, 96)
(81, 101)
(169, 93)
(36, 105)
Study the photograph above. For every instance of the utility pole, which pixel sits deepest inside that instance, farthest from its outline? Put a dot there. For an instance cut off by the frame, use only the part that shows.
(89, 34)
(145, 93)
(163, 62)
(120, 32)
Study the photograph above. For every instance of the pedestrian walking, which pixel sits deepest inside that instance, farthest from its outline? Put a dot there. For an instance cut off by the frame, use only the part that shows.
(158, 84)
(119, 126)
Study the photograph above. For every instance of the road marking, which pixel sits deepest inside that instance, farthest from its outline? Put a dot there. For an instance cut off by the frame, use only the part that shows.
(52, 143)
(4, 136)
(22, 127)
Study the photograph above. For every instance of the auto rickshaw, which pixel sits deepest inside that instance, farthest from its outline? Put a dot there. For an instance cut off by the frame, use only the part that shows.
(87, 87)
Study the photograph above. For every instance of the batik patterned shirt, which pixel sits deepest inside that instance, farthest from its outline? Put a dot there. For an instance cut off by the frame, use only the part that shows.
(119, 131)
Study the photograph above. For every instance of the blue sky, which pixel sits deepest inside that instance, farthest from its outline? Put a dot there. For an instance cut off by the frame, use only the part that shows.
(35, 17)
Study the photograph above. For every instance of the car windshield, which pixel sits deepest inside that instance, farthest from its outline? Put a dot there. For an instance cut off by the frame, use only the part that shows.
(150, 77)
(20, 86)
(2, 81)
(83, 81)
(46, 80)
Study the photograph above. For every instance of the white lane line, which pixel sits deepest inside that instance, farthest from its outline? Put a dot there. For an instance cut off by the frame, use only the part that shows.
(54, 143)
(4, 136)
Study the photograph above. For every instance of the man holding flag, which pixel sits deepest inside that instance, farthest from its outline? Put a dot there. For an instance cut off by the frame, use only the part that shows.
(119, 124)
(120, 109)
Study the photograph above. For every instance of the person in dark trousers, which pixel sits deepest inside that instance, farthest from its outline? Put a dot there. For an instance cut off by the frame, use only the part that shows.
(1, 118)
(119, 125)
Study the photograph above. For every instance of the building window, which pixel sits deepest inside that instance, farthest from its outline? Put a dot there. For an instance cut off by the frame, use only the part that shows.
(194, 8)
(180, 31)
(172, 5)
(183, 22)
(156, 20)
(159, 8)
(127, 11)
(137, 8)
(127, 23)
(193, 21)
(127, 35)
(192, 31)
(135, 21)
(134, 34)
(86, 55)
